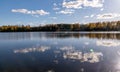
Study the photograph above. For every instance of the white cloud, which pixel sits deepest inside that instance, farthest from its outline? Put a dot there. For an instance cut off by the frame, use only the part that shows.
(101, 9)
(20, 10)
(73, 4)
(93, 3)
(76, 4)
(31, 12)
(66, 11)
(108, 16)
(53, 17)
(92, 15)
(86, 16)
(55, 7)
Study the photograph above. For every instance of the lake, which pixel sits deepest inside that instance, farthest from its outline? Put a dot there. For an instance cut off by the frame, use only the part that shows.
(59, 52)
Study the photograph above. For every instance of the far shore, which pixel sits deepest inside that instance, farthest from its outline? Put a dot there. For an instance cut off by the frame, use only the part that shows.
(67, 32)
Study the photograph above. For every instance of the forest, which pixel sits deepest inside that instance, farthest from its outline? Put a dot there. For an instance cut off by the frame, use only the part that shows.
(98, 26)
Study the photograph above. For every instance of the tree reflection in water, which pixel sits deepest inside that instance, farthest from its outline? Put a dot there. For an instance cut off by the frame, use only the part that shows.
(98, 35)
(44, 35)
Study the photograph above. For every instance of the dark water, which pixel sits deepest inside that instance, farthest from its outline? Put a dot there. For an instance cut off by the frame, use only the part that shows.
(59, 52)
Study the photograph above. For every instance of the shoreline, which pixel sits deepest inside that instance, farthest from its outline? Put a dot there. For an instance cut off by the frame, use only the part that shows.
(66, 32)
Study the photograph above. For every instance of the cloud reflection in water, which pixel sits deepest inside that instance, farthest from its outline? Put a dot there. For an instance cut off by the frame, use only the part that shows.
(92, 57)
(107, 43)
(68, 52)
(71, 53)
(27, 50)
(66, 48)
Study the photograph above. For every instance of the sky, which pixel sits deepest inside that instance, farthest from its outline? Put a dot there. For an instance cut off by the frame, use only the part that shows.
(41, 12)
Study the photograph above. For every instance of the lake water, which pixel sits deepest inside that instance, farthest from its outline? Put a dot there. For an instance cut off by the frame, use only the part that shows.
(59, 52)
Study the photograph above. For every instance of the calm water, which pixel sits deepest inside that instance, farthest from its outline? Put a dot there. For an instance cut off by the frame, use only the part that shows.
(59, 52)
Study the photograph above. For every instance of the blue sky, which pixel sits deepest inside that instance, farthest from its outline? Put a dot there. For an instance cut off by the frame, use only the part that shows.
(36, 12)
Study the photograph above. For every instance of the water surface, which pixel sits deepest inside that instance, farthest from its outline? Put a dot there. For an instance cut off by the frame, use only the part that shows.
(59, 52)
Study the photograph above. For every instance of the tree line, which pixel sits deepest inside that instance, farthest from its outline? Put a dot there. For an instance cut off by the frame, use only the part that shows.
(98, 26)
